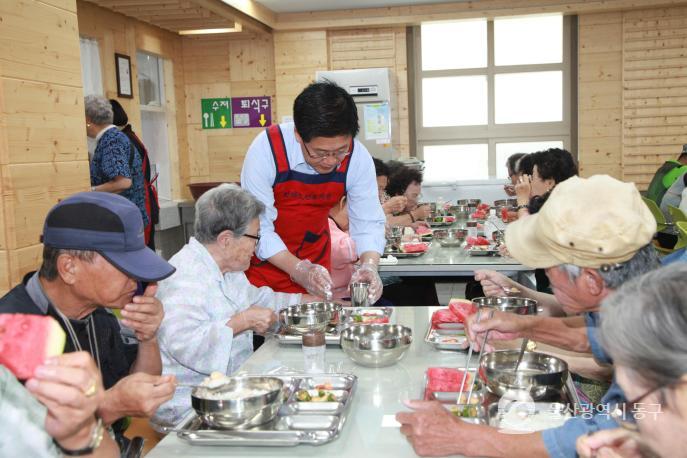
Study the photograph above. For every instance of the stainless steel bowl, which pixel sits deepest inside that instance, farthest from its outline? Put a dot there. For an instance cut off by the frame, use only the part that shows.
(239, 412)
(469, 202)
(311, 316)
(376, 345)
(517, 305)
(506, 203)
(450, 237)
(461, 212)
(539, 374)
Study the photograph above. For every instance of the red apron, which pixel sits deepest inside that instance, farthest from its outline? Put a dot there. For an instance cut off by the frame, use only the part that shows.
(303, 202)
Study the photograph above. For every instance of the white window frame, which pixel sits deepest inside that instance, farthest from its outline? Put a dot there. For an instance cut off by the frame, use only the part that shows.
(492, 133)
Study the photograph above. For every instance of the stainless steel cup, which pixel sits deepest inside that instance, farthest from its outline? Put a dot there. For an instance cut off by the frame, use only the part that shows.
(359, 292)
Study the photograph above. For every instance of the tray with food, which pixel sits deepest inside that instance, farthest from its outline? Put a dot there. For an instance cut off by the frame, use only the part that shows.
(441, 221)
(309, 410)
(483, 250)
(366, 315)
(446, 330)
(331, 337)
(511, 414)
(408, 250)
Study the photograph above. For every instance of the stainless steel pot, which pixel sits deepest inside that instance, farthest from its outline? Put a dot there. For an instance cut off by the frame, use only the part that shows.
(376, 345)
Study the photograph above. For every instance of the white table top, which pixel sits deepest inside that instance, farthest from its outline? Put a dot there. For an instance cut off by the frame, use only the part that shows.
(449, 262)
(369, 429)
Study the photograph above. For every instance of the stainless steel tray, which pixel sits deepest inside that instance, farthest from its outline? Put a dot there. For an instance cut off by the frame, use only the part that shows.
(492, 251)
(402, 254)
(553, 414)
(349, 314)
(566, 399)
(331, 337)
(296, 423)
(441, 339)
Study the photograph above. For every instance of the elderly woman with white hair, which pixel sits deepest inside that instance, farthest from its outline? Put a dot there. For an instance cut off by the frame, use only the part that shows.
(644, 330)
(116, 164)
(211, 310)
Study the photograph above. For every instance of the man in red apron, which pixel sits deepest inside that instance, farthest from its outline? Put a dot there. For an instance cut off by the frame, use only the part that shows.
(300, 171)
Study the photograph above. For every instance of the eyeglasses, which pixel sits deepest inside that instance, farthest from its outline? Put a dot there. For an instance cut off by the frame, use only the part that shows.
(254, 237)
(626, 414)
(338, 155)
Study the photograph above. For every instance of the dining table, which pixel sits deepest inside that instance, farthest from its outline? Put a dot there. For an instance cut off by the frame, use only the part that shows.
(370, 429)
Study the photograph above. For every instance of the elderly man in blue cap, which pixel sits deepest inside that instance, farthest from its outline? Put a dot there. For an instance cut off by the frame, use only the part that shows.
(94, 259)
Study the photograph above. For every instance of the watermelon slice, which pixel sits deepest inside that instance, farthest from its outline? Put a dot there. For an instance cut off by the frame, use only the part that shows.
(422, 230)
(483, 207)
(414, 247)
(445, 379)
(26, 341)
(462, 309)
(443, 316)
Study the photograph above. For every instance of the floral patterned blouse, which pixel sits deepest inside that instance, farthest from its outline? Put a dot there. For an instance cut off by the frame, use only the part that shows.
(111, 159)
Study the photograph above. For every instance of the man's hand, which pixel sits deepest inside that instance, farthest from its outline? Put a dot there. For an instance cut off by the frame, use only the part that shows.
(421, 212)
(495, 283)
(137, 395)
(313, 277)
(523, 189)
(434, 431)
(144, 314)
(501, 326)
(367, 273)
(71, 388)
(610, 443)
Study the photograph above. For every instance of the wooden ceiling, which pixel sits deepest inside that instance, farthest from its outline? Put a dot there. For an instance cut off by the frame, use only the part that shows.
(176, 15)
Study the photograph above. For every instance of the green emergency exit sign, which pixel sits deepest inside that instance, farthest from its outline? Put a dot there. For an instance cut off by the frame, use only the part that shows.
(216, 113)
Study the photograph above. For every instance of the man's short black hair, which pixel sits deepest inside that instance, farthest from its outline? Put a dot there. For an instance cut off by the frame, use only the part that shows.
(381, 169)
(325, 110)
(401, 179)
(512, 161)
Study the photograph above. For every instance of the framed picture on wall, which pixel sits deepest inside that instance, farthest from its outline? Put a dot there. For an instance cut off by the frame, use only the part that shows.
(123, 67)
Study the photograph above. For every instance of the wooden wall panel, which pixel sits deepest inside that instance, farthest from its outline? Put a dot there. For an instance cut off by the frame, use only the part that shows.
(42, 136)
(297, 56)
(655, 90)
(600, 94)
(217, 67)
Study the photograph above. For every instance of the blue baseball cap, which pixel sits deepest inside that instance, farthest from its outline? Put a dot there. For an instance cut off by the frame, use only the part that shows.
(110, 225)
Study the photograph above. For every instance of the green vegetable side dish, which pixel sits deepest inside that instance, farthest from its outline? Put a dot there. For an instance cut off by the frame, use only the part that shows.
(322, 396)
(466, 412)
(357, 318)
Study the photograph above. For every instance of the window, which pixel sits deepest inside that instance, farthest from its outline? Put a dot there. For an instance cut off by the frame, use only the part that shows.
(486, 89)
(150, 79)
(90, 67)
(150, 73)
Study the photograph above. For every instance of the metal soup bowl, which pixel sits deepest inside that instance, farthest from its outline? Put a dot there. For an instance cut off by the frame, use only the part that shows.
(311, 316)
(461, 212)
(506, 203)
(469, 202)
(376, 345)
(517, 305)
(539, 374)
(224, 407)
(450, 237)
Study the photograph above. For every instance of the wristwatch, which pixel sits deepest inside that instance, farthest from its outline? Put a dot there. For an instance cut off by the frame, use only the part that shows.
(94, 443)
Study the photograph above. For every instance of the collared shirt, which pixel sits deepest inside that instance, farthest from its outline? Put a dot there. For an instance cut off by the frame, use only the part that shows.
(561, 442)
(23, 421)
(194, 337)
(364, 210)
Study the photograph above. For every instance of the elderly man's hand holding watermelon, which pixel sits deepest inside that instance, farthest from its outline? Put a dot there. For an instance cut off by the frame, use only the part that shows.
(71, 388)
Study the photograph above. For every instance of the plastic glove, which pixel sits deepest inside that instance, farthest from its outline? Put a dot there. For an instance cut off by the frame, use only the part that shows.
(313, 277)
(367, 272)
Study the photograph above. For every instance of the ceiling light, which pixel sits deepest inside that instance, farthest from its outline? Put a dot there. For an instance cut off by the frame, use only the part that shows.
(236, 28)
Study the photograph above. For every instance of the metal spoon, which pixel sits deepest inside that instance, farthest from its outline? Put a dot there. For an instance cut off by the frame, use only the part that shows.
(523, 347)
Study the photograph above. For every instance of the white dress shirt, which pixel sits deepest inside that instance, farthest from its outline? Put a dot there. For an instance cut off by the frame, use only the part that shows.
(365, 212)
